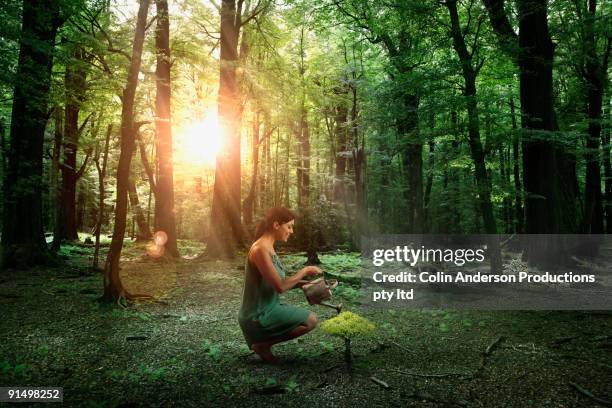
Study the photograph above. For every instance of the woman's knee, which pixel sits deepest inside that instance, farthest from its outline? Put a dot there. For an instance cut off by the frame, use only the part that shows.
(311, 322)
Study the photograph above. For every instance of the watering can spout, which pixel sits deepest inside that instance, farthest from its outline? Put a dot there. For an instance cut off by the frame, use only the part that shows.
(337, 307)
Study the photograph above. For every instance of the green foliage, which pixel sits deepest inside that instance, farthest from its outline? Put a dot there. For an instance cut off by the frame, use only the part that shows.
(18, 371)
(348, 325)
(212, 350)
(151, 374)
(292, 385)
(347, 293)
(43, 350)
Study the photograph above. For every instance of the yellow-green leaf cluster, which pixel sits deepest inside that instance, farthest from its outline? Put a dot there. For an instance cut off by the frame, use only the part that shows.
(348, 324)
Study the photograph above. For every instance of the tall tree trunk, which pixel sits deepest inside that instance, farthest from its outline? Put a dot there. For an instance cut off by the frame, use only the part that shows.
(113, 288)
(303, 164)
(478, 154)
(412, 161)
(605, 135)
(518, 187)
(101, 191)
(225, 224)
(548, 171)
(341, 139)
(249, 201)
(164, 198)
(359, 171)
(75, 84)
(549, 204)
(22, 233)
(144, 231)
(454, 178)
(595, 78)
(56, 191)
(3, 148)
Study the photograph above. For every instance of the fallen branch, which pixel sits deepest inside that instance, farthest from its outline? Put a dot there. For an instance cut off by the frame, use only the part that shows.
(493, 345)
(380, 382)
(562, 340)
(441, 375)
(136, 338)
(275, 389)
(398, 345)
(589, 394)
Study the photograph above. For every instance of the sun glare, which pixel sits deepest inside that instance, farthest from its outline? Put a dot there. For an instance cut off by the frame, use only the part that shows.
(198, 142)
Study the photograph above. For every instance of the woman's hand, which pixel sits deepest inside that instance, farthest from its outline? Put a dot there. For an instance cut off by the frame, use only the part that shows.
(311, 271)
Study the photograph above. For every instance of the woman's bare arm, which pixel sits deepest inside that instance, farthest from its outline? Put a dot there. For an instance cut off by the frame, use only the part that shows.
(300, 283)
(262, 259)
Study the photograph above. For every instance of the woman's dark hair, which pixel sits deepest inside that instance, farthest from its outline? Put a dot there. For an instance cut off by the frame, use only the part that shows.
(274, 214)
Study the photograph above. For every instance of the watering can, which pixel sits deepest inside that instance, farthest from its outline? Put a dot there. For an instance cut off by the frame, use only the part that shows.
(319, 290)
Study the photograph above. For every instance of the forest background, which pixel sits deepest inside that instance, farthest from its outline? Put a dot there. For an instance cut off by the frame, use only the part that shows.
(141, 141)
(365, 117)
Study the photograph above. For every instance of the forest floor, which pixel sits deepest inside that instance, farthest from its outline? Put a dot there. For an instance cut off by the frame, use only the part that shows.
(186, 349)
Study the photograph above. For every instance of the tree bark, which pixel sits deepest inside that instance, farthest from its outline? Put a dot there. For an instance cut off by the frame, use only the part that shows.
(476, 149)
(605, 135)
(225, 224)
(3, 147)
(341, 139)
(56, 191)
(549, 205)
(548, 171)
(164, 197)
(102, 191)
(249, 201)
(113, 288)
(519, 212)
(359, 170)
(595, 78)
(22, 233)
(412, 162)
(75, 84)
(144, 231)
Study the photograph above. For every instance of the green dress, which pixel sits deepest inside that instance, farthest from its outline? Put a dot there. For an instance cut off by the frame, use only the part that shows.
(262, 316)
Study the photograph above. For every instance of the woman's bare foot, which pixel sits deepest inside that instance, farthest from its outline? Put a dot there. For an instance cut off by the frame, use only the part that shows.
(265, 353)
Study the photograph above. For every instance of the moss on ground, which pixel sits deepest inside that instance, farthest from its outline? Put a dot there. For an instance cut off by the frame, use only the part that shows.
(186, 349)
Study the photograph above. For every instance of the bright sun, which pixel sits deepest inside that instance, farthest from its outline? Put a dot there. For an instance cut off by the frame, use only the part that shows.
(198, 142)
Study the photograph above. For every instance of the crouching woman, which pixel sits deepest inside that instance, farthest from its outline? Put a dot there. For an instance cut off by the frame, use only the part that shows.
(263, 319)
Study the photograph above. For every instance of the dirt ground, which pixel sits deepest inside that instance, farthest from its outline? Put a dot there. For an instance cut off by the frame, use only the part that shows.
(186, 349)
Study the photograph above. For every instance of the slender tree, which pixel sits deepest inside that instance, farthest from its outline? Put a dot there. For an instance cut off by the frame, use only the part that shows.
(594, 74)
(470, 69)
(75, 82)
(113, 288)
(101, 168)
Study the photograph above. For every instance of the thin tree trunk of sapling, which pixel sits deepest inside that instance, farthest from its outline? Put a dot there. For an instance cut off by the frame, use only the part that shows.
(348, 356)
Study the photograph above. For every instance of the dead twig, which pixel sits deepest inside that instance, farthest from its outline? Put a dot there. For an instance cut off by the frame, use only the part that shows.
(441, 375)
(493, 345)
(562, 340)
(380, 382)
(589, 394)
(398, 345)
(136, 338)
(488, 351)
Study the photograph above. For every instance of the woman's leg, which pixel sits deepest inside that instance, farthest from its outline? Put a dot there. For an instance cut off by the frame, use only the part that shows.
(264, 348)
